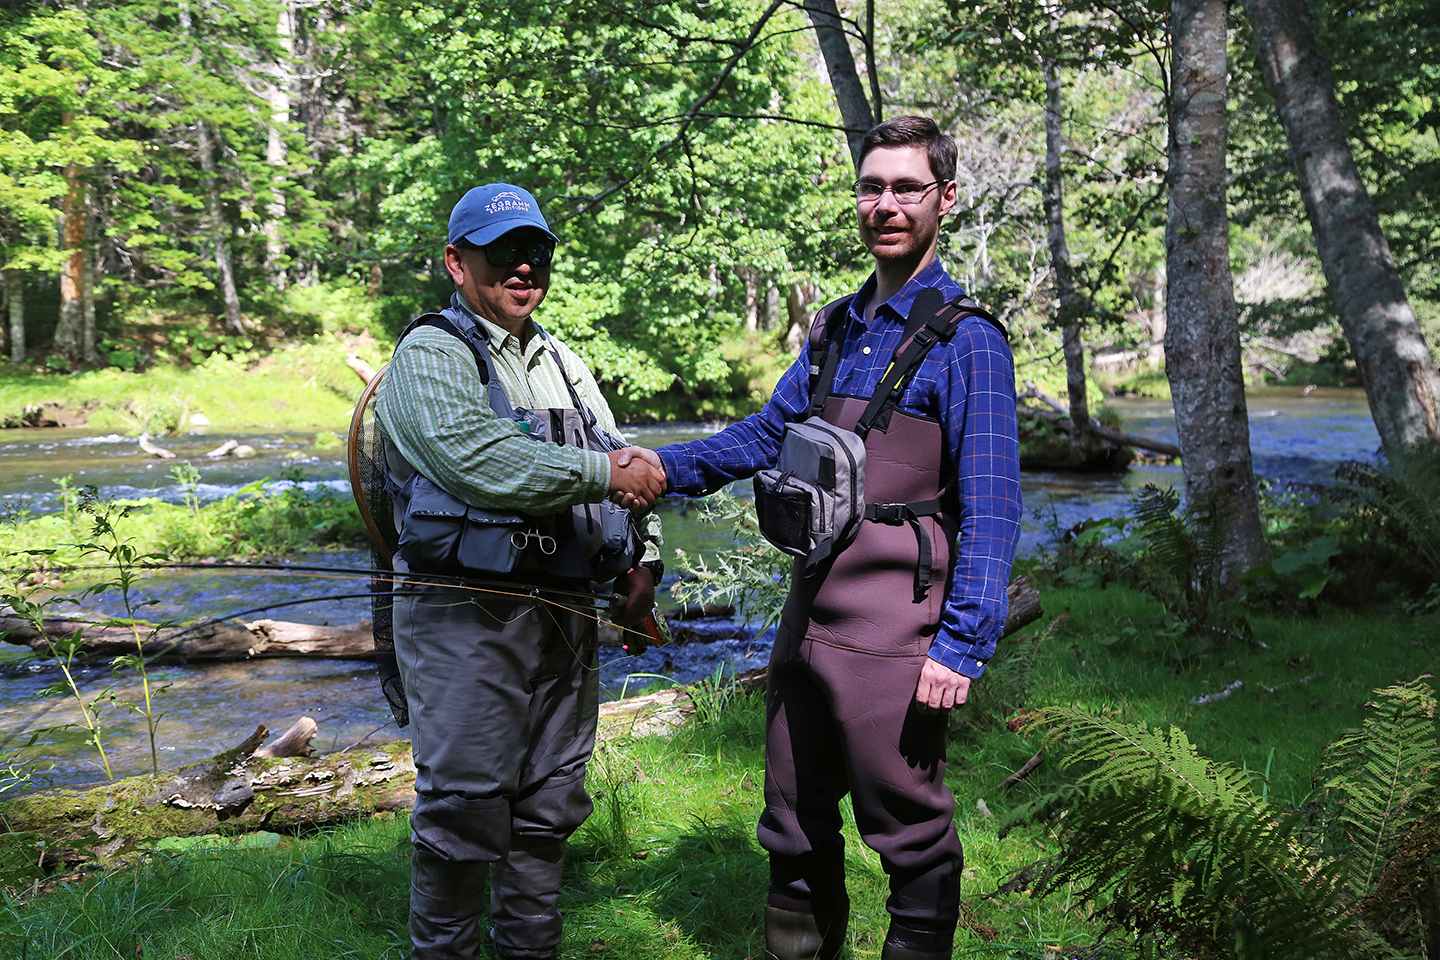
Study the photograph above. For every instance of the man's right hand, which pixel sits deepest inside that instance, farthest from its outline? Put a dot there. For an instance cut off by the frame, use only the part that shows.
(635, 481)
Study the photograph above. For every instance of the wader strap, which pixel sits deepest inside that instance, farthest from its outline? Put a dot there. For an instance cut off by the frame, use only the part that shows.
(894, 514)
(599, 439)
(825, 352)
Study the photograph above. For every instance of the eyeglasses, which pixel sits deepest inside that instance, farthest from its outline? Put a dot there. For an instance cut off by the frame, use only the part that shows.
(905, 192)
(509, 251)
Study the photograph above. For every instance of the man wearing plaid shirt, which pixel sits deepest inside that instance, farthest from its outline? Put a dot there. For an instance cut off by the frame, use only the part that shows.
(866, 713)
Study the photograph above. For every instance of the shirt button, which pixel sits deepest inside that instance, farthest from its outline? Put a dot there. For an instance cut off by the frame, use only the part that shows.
(866, 351)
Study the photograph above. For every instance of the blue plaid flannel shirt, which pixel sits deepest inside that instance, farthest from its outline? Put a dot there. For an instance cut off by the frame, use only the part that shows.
(968, 384)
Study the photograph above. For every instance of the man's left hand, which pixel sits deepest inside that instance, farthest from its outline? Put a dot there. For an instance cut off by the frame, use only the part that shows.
(637, 587)
(941, 688)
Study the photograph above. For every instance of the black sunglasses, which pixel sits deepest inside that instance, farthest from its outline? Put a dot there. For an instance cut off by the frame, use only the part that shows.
(509, 251)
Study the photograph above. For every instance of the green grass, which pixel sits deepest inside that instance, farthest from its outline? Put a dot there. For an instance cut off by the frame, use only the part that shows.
(668, 866)
(266, 518)
(303, 384)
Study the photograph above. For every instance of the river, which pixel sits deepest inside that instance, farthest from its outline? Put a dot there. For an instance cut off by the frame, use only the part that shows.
(204, 709)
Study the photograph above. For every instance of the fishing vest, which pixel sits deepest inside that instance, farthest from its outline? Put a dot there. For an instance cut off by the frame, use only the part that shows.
(877, 595)
(438, 533)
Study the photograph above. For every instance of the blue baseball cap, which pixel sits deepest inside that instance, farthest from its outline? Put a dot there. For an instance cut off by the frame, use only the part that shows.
(487, 213)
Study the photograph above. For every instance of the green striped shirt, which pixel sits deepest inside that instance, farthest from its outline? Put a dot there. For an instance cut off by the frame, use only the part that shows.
(432, 405)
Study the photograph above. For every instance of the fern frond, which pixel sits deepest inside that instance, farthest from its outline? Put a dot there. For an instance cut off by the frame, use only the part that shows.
(1381, 779)
(1181, 845)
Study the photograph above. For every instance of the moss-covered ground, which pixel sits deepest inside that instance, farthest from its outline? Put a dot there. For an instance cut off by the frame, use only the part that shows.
(668, 867)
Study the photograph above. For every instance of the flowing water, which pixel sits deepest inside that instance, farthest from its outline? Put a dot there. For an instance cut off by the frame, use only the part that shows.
(207, 708)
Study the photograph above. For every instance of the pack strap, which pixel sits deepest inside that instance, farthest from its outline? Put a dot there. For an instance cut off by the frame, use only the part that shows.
(475, 339)
(896, 514)
(825, 351)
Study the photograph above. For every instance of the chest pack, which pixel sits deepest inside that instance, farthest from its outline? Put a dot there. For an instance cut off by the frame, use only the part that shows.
(812, 502)
(437, 532)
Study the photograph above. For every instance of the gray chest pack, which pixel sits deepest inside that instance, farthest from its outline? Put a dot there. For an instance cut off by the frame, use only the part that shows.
(439, 533)
(812, 502)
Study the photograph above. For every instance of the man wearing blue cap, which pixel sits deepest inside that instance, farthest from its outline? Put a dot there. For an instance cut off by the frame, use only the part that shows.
(501, 684)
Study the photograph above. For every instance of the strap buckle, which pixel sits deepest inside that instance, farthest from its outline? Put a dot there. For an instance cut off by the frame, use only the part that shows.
(893, 514)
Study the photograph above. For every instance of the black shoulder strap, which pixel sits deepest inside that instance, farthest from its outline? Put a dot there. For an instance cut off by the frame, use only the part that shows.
(825, 340)
(931, 320)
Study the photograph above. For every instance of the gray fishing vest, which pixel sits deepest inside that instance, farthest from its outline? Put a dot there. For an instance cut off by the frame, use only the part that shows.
(438, 533)
(878, 595)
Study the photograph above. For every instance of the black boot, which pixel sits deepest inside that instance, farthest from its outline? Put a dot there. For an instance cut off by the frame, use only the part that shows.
(797, 935)
(906, 943)
(446, 900)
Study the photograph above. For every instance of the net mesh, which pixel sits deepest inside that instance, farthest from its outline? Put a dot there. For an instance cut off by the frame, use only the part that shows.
(367, 482)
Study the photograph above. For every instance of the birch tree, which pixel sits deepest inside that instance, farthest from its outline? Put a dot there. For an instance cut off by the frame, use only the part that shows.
(1202, 337)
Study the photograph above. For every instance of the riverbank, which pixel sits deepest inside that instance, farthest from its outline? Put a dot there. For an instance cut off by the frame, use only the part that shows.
(668, 867)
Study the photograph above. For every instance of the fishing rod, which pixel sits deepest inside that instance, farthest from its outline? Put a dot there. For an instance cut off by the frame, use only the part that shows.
(652, 627)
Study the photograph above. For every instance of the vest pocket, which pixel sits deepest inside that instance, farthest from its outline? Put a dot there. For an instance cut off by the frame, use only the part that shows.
(488, 540)
(439, 532)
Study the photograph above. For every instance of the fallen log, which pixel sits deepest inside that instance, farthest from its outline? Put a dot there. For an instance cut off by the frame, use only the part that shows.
(362, 369)
(217, 641)
(153, 450)
(247, 789)
(1062, 420)
(239, 640)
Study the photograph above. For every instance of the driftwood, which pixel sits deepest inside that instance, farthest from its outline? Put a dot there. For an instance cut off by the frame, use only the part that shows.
(294, 742)
(153, 450)
(1062, 420)
(223, 450)
(239, 640)
(218, 641)
(362, 369)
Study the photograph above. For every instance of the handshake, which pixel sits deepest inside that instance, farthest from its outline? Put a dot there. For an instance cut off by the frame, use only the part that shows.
(637, 478)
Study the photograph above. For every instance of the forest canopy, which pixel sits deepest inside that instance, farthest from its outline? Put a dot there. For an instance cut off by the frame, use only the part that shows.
(212, 156)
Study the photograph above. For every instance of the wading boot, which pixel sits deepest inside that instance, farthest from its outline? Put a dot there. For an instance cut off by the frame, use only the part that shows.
(797, 935)
(906, 943)
(446, 900)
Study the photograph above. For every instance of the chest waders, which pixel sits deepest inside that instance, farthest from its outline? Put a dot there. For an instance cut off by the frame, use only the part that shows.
(840, 704)
(911, 511)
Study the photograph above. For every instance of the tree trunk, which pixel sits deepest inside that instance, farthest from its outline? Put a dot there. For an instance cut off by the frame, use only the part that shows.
(15, 298)
(752, 297)
(1398, 369)
(70, 331)
(1060, 261)
(87, 305)
(855, 111)
(872, 67)
(797, 297)
(218, 232)
(278, 94)
(214, 218)
(1202, 339)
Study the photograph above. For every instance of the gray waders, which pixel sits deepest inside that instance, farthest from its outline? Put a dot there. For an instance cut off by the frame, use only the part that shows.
(504, 696)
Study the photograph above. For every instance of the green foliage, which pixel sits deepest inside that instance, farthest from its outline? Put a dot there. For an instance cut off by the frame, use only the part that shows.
(1166, 842)
(1401, 503)
(752, 575)
(1380, 793)
(265, 518)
